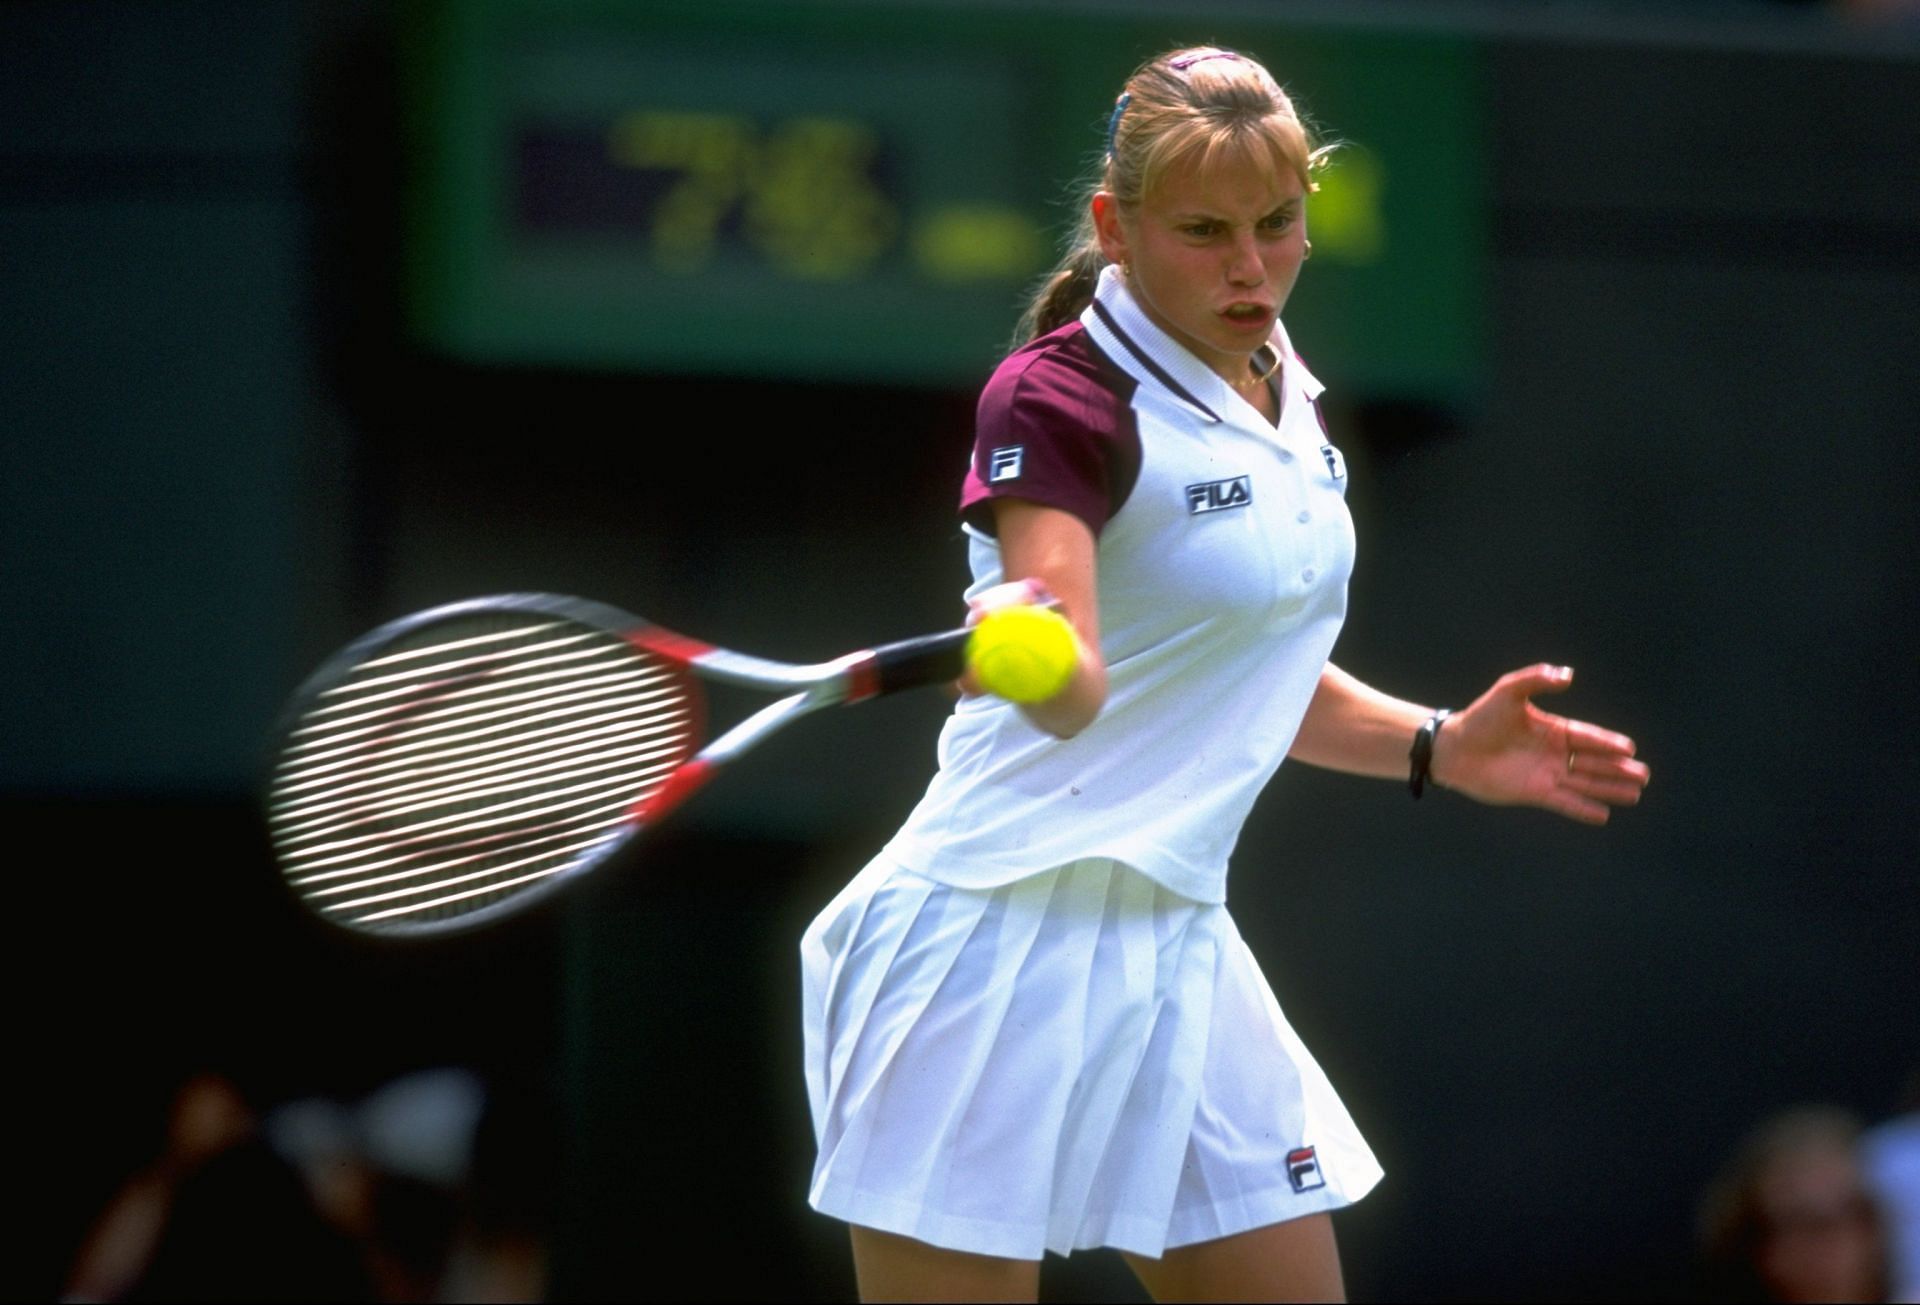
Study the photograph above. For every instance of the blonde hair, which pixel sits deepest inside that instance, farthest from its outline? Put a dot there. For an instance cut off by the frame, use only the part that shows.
(1203, 105)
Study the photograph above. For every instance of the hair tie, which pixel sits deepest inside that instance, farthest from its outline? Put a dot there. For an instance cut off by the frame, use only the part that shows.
(1181, 65)
(1113, 123)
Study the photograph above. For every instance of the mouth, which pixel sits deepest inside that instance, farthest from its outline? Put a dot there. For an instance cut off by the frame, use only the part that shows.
(1248, 316)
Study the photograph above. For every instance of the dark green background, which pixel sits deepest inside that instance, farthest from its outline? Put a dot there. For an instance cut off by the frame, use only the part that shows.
(1684, 466)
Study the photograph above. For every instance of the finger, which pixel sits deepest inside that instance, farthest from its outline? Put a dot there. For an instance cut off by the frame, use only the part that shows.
(1017, 593)
(1588, 811)
(1612, 792)
(1543, 677)
(1609, 766)
(1591, 738)
(1014, 593)
(1037, 592)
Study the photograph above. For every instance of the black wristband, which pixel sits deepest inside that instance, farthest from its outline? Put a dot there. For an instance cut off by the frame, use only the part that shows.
(1422, 753)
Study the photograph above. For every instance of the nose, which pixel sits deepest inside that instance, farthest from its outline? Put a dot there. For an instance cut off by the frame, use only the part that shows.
(1244, 266)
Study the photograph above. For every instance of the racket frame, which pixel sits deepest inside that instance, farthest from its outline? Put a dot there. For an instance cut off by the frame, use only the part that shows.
(803, 689)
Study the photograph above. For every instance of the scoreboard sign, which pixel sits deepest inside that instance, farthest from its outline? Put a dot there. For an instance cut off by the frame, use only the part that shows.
(867, 191)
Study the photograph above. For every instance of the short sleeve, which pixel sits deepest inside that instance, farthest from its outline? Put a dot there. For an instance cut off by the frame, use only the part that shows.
(1055, 426)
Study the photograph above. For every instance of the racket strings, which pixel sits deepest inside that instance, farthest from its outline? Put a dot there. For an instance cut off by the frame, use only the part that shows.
(559, 715)
(470, 760)
(572, 825)
(445, 662)
(597, 746)
(436, 832)
(447, 692)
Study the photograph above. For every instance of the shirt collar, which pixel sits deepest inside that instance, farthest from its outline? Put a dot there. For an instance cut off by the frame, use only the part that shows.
(1123, 331)
(1309, 384)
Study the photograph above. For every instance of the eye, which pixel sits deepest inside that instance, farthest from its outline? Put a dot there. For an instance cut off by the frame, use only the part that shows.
(1278, 221)
(1198, 229)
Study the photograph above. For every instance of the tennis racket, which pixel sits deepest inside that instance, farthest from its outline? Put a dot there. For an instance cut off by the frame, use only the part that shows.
(464, 763)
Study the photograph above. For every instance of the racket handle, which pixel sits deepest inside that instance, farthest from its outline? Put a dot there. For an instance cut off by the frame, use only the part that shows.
(929, 659)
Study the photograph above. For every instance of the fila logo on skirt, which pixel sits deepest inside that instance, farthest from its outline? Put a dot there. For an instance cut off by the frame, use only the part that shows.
(1303, 1170)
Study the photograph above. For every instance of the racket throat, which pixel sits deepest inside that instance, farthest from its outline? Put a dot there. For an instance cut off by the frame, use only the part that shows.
(693, 776)
(680, 786)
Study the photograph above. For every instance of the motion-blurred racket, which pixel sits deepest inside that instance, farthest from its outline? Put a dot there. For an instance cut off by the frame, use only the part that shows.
(461, 764)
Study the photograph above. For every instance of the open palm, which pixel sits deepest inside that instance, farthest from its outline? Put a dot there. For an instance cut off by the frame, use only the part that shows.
(1506, 751)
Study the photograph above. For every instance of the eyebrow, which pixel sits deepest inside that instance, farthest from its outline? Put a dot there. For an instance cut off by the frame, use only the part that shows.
(1215, 217)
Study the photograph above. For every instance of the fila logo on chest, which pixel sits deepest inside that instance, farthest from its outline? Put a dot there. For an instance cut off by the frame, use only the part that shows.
(1217, 495)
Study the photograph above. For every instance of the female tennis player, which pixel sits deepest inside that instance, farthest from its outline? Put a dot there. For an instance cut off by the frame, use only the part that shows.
(1031, 1024)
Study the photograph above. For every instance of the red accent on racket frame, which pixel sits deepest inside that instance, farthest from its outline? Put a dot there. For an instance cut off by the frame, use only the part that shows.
(674, 647)
(680, 786)
(863, 679)
(682, 652)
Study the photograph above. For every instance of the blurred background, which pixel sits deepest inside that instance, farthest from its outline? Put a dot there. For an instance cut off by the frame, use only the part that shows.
(317, 312)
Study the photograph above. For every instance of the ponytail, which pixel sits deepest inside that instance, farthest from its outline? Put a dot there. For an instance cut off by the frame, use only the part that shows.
(1066, 291)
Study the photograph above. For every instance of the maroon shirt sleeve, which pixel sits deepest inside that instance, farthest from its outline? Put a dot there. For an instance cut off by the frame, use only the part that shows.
(1056, 427)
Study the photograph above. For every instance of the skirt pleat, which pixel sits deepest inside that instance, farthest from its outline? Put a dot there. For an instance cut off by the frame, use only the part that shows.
(1117, 1017)
(1133, 1190)
(1079, 1058)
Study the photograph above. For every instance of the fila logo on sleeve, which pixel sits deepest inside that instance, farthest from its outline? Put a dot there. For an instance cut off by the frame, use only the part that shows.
(1303, 1169)
(1216, 495)
(1004, 463)
(1336, 465)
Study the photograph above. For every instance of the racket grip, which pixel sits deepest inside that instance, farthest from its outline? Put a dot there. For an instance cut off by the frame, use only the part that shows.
(911, 663)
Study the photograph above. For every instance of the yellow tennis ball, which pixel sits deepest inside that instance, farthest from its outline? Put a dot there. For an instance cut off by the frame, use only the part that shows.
(1023, 654)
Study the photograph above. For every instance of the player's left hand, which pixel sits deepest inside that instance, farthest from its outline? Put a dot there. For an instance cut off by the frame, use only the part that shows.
(1506, 751)
(1014, 593)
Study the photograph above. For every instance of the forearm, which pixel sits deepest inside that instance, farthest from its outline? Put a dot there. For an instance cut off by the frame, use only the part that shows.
(1058, 551)
(1356, 729)
(1074, 707)
(120, 1246)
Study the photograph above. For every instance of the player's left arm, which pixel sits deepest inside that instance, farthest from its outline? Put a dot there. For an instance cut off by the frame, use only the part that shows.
(1502, 749)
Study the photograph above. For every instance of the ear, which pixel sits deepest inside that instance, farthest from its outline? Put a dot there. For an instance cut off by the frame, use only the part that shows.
(1107, 226)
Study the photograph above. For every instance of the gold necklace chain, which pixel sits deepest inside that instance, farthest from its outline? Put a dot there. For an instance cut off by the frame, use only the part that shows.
(1263, 377)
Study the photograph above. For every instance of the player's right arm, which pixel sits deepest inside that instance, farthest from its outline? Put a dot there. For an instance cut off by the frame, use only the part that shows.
(1056, 549)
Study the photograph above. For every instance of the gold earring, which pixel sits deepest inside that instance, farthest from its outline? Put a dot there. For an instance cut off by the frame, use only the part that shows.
(1309, 254)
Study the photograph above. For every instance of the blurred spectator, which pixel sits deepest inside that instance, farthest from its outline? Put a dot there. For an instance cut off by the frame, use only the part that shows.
(1791, 1217)
(500, 1253)
(423, 1191)
(214, 1216)
(390, 1172)
(408, 1172)
(1891, 1153)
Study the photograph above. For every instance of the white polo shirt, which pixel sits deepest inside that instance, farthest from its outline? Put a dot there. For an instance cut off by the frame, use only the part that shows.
(1224, 552)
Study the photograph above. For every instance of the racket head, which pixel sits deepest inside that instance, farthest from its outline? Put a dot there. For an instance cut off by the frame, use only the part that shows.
(465, 763)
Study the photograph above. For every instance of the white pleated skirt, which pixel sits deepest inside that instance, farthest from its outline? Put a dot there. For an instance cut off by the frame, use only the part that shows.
(1077, 1059)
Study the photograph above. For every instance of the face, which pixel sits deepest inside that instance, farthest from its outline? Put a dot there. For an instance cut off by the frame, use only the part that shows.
(1820, 1242)
(1212, 256)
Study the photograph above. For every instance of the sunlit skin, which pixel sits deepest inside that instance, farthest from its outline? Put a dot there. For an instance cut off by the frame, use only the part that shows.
(1211, 256)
